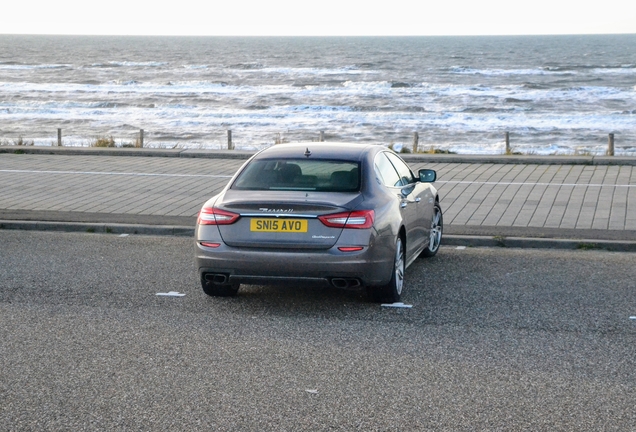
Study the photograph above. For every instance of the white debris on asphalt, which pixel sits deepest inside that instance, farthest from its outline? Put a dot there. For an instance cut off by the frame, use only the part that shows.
(397, 305)
(123, 235)
(312, 391)
(171, 294)
(461, 247)
(632, 317)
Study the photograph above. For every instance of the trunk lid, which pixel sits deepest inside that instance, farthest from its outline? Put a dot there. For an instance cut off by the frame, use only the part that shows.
(283, 219)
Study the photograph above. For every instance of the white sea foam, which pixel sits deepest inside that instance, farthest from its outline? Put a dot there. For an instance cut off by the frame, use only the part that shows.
(19, 67)
(625, 70)
(195, 66)
(502, 72)
(299, 71)
(137, 64)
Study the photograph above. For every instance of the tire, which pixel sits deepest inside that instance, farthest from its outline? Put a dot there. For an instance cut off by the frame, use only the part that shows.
(391, 292)
(215, 290)
(435, 240)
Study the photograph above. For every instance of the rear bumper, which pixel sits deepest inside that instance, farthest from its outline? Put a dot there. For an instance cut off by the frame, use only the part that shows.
(371, 266)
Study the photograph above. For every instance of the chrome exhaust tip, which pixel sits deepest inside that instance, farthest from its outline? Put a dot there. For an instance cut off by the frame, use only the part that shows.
(346, 283)
(216, 278)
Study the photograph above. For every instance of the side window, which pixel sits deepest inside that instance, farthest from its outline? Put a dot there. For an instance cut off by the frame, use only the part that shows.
(406, 176)
(385, 171)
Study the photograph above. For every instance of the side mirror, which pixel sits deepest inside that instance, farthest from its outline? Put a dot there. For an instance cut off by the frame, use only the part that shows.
(427, 175)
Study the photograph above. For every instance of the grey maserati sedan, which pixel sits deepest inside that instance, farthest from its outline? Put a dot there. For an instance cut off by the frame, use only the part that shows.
(351, 216)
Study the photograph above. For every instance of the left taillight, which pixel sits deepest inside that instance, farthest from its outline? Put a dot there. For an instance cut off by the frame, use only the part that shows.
(359, 219)
(210, 244)
(215, 216)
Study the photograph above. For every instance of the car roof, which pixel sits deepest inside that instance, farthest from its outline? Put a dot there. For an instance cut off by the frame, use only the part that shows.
(320, 150)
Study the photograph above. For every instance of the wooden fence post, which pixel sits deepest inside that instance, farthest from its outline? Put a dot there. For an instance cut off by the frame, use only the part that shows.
(141, 138)
(416, 141)
(59, 137)
(230, 144)
(508, 143)
(610, 145)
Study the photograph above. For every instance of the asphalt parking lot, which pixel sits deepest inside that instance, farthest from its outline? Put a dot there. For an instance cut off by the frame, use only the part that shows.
(497, 339)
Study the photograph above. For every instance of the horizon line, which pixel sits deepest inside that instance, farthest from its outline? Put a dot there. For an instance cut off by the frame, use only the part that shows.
(318, 36)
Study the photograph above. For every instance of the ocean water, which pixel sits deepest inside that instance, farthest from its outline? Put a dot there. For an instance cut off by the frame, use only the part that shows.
(553, 94)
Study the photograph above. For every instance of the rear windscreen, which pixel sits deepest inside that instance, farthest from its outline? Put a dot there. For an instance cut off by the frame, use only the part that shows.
(300, 175)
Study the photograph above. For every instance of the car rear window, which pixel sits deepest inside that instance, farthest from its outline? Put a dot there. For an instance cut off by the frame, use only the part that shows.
(300, 175)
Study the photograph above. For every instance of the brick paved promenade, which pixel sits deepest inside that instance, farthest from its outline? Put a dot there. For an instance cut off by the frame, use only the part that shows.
(563, 200)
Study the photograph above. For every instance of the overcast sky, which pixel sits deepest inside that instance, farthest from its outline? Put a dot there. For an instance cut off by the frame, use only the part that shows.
(322, 17)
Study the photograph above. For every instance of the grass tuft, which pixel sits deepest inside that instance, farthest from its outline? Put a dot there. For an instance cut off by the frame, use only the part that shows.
(588, 246)
(103, 142)
(402, 150)
(511, 152)
(434, 150)
(501, 241)
(22, 142)
(582, 152)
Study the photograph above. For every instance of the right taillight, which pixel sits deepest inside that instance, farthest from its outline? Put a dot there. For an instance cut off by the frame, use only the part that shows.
(358, 219)
(215, 216)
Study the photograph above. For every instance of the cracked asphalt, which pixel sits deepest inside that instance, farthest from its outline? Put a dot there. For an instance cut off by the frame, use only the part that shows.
(497, 339)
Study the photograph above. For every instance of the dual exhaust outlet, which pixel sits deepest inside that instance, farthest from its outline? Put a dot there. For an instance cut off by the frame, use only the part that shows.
(341, 283)
(216, 278)
(346, 283)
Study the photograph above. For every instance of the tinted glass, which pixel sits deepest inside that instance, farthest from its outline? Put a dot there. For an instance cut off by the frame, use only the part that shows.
(403, 170)
(300, 175)
(385, 171)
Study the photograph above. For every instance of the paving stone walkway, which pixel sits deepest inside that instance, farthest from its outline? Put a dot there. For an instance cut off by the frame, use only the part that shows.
(567, 197)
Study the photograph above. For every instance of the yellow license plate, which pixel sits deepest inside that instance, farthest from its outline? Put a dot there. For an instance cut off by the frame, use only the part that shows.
(278, 225)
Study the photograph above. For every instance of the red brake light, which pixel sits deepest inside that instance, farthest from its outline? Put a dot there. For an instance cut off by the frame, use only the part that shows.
(350, 248)
(215, 216)
(359, 219)
(210, 244)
